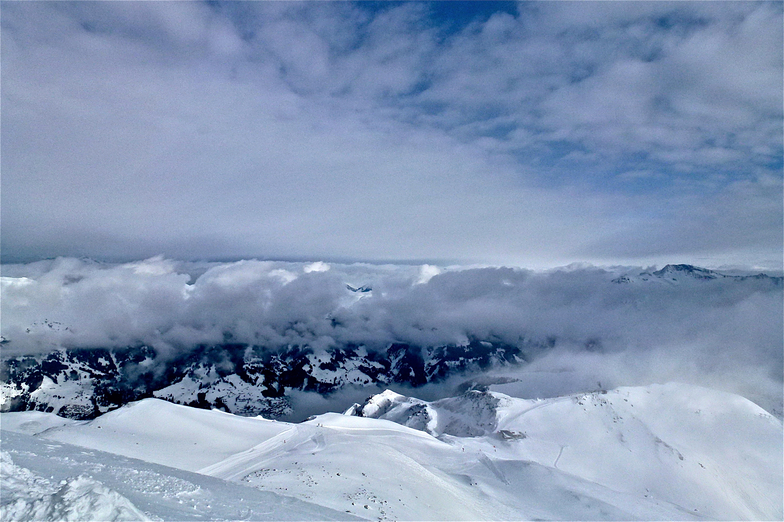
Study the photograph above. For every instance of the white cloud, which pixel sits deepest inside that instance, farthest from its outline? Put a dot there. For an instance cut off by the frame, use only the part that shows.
(318, 266)
(426, 273)
(339, 131)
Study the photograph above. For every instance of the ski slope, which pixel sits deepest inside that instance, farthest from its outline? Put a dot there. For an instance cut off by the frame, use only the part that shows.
(659, 452)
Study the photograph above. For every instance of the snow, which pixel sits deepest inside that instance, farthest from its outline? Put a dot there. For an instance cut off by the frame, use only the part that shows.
(68, 394)
(347, 463)
(9, 391)
(33, 422)
(185, 438)
(658, 452)
(705, 451)
(185, 390)
(82, 498)
(44, 480)
(403, 474)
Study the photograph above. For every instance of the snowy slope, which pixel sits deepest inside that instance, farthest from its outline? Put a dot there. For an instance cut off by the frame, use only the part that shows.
(712, 453)
(28, 496)
(660, 452)
(33, 422)
(44, 480)
(170, 434)
(381, 470)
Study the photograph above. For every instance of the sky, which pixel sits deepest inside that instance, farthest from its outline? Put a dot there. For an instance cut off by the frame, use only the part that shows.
(523, 134)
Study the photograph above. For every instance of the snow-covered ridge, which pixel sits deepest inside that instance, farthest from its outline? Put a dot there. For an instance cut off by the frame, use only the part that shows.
(658, 452)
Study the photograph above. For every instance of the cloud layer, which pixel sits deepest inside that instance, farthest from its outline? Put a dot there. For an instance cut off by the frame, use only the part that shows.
(532, 134)
(725, 333)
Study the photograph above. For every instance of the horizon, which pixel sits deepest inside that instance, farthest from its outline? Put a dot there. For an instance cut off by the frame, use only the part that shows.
(728, 269)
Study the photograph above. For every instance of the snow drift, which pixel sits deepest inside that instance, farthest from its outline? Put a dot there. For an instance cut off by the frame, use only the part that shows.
(29, 497)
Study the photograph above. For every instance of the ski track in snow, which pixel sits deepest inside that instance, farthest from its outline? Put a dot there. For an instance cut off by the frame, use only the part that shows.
(560, 452)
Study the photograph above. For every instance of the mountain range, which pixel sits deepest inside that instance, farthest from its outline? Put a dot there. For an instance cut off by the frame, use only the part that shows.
(246, 379)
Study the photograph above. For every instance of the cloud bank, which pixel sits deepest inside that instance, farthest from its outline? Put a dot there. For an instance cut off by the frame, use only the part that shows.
(530, 134)
(580, 324)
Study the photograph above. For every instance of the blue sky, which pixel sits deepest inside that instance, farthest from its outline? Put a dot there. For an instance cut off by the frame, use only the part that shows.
(530, 134)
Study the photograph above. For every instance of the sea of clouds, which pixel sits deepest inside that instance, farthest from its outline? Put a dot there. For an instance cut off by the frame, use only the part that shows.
(590, 331)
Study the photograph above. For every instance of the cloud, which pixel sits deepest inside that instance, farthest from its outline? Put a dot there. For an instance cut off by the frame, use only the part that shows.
(376, 132)
(740, 217)
(574, 322)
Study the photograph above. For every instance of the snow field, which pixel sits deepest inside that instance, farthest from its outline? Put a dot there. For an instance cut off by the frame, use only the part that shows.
(170, 434)
(35, 498)
(371, 468)
(51, 481)
(659, 452)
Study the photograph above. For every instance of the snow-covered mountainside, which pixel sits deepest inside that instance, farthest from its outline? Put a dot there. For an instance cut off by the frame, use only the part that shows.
(674, 274)
(82, 384)
(705, 451)
(659, 452)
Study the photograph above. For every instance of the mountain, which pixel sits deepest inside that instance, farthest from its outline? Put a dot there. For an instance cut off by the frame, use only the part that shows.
(658, 452)
(82, 384)
(704, 451)
(680, 273)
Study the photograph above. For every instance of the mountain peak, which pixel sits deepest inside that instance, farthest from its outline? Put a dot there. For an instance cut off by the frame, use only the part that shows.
(689, 270)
